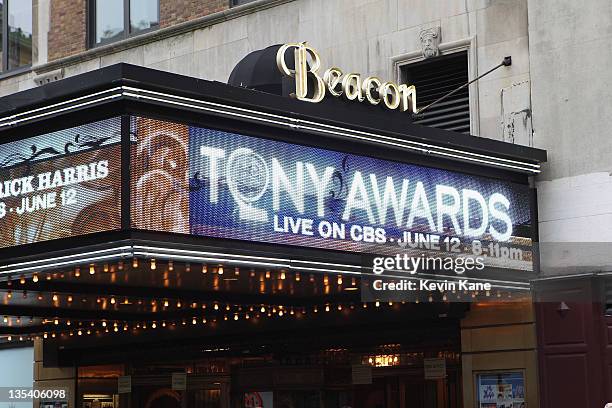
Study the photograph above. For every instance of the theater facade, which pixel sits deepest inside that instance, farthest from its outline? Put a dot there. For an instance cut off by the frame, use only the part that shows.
(167, 241)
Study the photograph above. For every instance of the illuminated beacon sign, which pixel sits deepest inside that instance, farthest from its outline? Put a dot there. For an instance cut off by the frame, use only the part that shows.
(350, 85)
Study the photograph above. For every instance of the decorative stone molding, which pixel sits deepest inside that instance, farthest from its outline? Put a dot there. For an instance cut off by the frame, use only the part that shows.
(430, 42)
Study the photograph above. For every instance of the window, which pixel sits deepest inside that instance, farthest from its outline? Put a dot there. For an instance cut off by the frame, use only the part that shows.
(434, 78)
(113, 20)
(15, 34)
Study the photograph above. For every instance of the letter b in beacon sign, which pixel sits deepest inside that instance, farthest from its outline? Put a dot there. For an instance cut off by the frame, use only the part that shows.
(252, 189)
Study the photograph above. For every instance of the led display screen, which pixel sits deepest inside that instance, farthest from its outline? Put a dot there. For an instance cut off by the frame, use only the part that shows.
(211, 183)
(61, 184)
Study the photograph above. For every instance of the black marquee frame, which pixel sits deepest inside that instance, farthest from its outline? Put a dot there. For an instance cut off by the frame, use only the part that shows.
(125, 90)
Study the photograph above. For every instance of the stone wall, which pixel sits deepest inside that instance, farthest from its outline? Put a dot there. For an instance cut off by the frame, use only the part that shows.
(359, 35)
(570, 57)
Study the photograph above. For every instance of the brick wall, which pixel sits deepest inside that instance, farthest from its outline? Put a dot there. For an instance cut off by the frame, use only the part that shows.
(67, 34)
(68, 29)
(177, 11)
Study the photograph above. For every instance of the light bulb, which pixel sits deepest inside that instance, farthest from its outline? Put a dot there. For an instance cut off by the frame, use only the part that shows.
(220, 270)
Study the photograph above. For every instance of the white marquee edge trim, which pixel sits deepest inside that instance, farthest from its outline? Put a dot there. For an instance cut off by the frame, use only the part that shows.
(124, 252)
(269, 119)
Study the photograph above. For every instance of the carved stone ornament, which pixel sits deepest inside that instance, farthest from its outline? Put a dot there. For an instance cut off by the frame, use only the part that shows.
(430, 42)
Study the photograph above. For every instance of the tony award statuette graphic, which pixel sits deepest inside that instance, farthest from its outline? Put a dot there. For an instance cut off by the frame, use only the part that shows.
(248, 180)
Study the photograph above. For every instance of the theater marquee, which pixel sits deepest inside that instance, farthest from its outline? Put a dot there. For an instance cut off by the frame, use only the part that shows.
(206, 182)
(61, 184)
